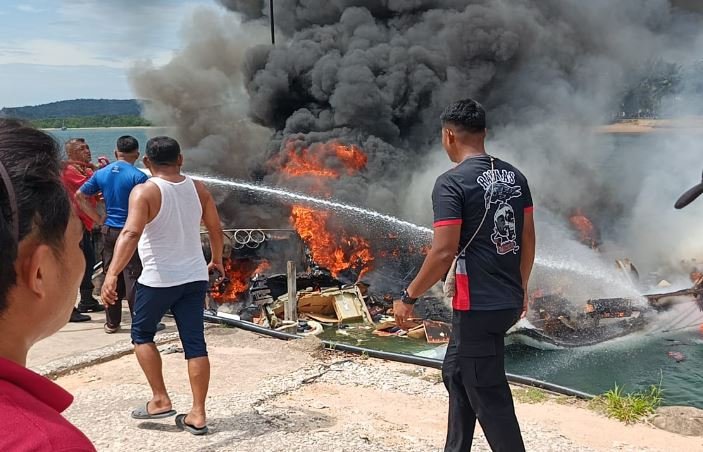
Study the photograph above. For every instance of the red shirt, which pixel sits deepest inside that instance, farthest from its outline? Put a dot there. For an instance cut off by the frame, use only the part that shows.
(31, 407)
(74, 175)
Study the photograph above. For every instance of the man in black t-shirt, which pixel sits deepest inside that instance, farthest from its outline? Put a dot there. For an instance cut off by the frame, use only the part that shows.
(484, 203)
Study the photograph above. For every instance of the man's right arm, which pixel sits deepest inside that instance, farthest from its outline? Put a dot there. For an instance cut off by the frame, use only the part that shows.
(528, 250)
(214, 228)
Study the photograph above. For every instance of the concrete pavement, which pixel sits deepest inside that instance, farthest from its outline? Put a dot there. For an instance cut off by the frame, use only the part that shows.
(77, 339)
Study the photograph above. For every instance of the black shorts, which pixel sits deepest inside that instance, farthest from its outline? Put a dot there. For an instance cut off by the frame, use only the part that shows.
(186, 302)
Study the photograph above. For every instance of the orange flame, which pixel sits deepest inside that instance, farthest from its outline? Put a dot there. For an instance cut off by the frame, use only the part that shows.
(335, 253)
(584, 227)
(321, 162)
(306, 164)
(351, 156)
(315, 161)
(239, 273)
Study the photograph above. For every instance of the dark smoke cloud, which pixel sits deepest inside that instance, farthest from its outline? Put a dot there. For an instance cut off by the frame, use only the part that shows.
(377, 73)
(200, 93)
(251, 9)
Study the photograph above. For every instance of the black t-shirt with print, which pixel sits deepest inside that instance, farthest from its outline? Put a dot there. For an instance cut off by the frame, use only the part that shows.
(488, 274)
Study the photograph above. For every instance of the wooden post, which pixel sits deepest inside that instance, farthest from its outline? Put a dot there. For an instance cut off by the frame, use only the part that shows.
(290, 308)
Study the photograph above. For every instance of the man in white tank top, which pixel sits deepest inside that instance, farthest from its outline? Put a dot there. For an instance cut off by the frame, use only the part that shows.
(164, 223)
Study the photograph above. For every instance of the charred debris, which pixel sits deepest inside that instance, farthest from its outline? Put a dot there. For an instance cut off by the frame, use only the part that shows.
(256, 288)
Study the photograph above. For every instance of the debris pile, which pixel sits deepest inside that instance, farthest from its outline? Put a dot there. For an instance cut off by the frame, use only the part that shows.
(354, 295)
(322, 302)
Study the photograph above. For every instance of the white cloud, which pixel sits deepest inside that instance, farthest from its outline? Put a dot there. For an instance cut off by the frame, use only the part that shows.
(27, 8)
(55, 53)
(96, 33)
(76, 45)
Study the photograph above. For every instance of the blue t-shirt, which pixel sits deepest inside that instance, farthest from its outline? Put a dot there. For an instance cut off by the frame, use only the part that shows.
(116, 182)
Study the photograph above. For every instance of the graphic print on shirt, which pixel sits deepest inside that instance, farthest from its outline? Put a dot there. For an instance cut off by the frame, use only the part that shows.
(503, 190)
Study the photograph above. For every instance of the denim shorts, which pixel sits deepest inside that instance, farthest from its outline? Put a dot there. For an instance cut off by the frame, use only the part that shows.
(186, 302)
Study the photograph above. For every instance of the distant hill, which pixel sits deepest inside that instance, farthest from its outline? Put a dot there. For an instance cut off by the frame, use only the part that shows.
(75, 109)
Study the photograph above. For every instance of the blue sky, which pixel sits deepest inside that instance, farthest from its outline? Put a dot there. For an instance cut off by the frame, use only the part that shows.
(64, 49)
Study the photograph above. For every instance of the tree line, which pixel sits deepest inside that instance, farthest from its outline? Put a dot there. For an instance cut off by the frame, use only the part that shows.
(92, 121)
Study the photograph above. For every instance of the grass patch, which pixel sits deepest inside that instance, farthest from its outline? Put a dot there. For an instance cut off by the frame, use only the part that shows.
(628, 407)
(530, 395)
(566, 400)
(433, 377)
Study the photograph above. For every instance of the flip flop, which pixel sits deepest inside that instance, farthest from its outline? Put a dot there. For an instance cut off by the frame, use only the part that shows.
(193, 430)
(143, 413)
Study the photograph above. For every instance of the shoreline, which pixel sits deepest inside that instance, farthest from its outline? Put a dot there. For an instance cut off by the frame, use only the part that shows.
(627, 126)
(643, 126)
(51, 129)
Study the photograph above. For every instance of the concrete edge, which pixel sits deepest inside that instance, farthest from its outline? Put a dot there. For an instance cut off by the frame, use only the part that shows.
(60, 367)
(63, 366)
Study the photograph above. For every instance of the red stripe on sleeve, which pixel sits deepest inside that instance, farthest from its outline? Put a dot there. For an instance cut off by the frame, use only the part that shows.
(529, 209)
(439, 224)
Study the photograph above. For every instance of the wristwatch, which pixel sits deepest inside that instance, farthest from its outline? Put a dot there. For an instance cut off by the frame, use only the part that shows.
(407, 299)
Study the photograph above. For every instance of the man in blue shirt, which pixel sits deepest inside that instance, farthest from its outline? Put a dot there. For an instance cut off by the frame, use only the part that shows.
(115, 182)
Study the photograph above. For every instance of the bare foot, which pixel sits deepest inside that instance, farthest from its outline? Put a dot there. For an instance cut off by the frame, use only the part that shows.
(197, 420)
(159, 405)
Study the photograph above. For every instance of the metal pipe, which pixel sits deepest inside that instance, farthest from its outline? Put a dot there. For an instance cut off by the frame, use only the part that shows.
(252, 229)
(398, 357)
(273, 35)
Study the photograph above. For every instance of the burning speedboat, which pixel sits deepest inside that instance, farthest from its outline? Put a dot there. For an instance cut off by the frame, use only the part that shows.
(553, 323)
(255, 289)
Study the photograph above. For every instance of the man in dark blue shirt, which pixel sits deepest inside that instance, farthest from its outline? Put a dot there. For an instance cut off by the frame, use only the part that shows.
(115, 182)
(483, 214)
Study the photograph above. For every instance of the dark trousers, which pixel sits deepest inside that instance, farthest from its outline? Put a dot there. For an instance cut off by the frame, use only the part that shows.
(88, 247)
(126, 281)
(474, 375)
(186, 303)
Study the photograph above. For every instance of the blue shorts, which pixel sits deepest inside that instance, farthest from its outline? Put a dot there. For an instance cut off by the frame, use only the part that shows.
(186, 302)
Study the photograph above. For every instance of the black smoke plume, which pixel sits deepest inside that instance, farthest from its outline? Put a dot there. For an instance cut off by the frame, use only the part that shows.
(377, 73)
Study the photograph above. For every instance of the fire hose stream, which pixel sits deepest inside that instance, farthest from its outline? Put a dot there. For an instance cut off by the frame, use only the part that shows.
(390, 356)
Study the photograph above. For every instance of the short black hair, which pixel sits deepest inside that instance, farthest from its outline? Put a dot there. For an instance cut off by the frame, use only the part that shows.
(163, 150)
(31, 158)
(127, 144)
(467, 114)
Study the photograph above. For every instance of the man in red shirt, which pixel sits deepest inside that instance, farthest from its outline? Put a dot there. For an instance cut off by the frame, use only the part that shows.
(42, 267)
(76, 171)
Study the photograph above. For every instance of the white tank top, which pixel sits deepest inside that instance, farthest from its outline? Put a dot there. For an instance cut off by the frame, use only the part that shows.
(169, 247)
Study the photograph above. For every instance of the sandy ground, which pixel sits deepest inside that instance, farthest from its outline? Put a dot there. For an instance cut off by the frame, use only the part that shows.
(269, 395)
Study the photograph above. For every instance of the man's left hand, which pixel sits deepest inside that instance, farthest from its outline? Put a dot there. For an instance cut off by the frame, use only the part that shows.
(402, 312)
(108, 293)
